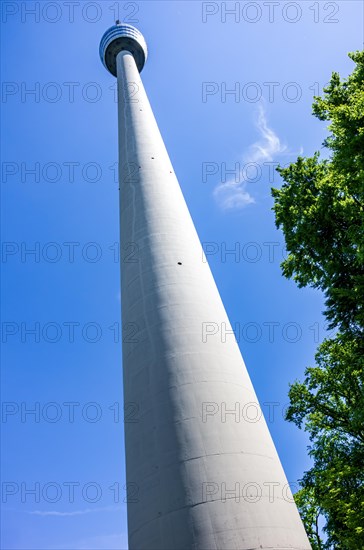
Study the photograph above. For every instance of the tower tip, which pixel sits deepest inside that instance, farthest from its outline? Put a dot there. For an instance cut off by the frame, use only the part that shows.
(122, 36)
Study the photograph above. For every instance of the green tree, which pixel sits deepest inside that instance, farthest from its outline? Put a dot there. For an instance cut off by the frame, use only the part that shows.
(320, 208)
(310, 514)
(330, 405)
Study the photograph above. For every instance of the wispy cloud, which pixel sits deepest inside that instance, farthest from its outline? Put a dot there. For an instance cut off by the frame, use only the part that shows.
(71, 513)
(232, 194)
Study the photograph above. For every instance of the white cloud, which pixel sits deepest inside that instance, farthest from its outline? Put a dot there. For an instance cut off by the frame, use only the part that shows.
(71, 513)
(232, 194)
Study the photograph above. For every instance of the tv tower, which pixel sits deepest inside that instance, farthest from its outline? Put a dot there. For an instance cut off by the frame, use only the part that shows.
(201, 467)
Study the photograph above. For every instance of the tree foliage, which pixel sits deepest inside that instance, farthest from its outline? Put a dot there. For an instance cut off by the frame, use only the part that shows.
(320, 208)
(310, 514)
(330, 404)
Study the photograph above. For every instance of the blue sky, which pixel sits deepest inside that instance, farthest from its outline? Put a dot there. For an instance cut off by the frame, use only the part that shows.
(274, 57)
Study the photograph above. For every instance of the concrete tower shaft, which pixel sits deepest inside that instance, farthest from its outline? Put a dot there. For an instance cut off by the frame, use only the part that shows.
(198, 479)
